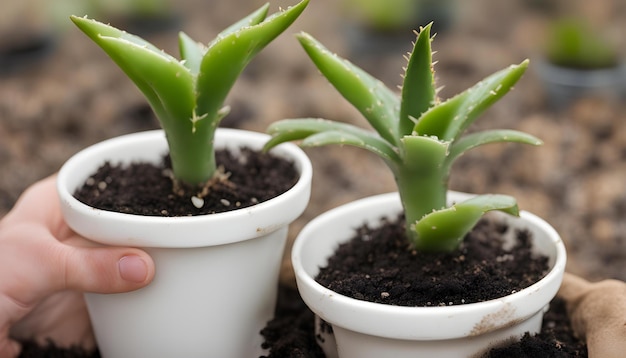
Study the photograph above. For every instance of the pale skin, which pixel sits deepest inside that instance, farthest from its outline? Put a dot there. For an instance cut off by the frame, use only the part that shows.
(45, 267)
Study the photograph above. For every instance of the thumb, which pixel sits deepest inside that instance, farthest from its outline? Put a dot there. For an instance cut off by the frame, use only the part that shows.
(105, 269)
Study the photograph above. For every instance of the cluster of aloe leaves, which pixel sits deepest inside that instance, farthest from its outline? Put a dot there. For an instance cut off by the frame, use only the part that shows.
(188, 95)
(418, 136)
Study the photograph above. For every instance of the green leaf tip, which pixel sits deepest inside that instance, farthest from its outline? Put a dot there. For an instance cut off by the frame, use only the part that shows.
(443, 230)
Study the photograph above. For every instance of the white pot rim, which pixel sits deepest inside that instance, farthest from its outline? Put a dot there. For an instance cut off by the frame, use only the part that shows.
(439, 322)
(78, 214)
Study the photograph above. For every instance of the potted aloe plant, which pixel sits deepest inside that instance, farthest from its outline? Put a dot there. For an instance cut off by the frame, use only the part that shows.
(375, 29)
(216, 275)
(580, 61)
(419, 137)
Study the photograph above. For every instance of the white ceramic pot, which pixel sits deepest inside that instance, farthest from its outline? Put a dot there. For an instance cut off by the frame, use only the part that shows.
(564, 85)
(365, 329)
(216, 276)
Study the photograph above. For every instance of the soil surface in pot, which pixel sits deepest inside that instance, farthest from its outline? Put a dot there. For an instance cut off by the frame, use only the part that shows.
(248, 177)
(378, 265)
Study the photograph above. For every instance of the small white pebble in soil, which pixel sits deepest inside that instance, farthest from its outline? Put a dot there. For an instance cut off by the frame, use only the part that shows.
(102, 185)
(237, 203)
(254, 200)
(225, 202)
(197, 202)
(90, 181)
(384, 294)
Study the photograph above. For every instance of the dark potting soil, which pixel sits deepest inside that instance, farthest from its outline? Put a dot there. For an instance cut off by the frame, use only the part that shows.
(146, 189)
(378, 265)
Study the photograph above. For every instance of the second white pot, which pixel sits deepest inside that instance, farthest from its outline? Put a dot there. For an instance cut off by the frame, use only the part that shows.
(216, 276)
(369, 330)
(565, 85)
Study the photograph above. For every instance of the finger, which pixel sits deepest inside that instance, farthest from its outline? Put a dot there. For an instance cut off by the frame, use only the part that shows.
(572, 287)
(8, 347)
(104, 269)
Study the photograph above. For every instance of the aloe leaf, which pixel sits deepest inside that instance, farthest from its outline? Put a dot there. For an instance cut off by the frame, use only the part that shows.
(376, 102)
(191, 52)
(228, 56)
(254, 18)
(317, 132)
(166, 83)
(448, 120)
(372, 144)
(418, 88)
(444, 229)
(96, 30)
(474, 140)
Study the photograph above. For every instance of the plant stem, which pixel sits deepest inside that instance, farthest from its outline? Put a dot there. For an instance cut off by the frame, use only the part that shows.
(418, 202)
(193, 156)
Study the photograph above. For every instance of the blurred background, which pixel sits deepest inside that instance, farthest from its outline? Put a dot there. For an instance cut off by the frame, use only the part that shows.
(60, 93)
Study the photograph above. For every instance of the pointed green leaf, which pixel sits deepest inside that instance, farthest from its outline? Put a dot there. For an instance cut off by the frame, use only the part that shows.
(191, 52)
(167, 84)
(164, 81)
(372, 144)
(418, 87)
(317, 132)
(96, 30)
(444, 229)
(448, 120)
(228, 56)
(378, 104)
(254, 18)
(487, 137)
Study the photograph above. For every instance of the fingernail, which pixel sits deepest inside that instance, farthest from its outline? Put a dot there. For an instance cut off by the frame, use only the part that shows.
(133, 269)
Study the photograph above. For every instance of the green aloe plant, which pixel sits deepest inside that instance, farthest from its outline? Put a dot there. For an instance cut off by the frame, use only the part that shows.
(575, 44)
(188, 95)
(418, 136)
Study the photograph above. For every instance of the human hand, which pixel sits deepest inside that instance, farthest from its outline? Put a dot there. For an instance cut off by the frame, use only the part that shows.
(45, 267)
(598, 314)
